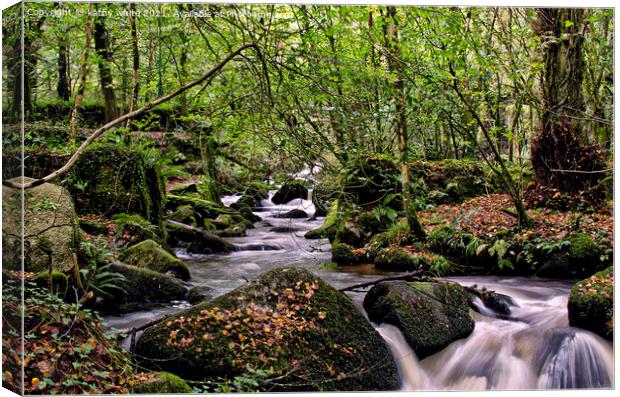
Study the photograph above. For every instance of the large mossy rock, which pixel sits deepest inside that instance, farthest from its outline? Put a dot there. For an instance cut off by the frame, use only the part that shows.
(430, 315)
(160, 383)
(450, 180)
(323, 195)
(290, 191)
(50, 228)
(329, 227)
(150, 255)
(142, 286)
(591, 304)
(287, 319)
(580, 259)
(110, 179)
(370, 179)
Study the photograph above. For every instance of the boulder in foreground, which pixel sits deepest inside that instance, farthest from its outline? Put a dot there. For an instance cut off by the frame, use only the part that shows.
(289, 322)
(591, 304)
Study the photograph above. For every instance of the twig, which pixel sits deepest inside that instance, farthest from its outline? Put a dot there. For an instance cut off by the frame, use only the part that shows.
(406, 276)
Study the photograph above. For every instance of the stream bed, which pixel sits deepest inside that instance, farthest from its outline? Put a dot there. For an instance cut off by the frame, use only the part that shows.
(534, 349)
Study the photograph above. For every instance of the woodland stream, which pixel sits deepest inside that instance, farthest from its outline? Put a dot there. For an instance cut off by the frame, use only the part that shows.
(532, 349)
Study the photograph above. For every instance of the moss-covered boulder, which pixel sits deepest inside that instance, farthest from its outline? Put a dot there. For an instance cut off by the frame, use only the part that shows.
(293, 214)
(370, 179)
(142, 286)
(450, 180)
(430, 315)
(196, 240)
(257, 190)
(397, 259)
(290, 191)
(287, 322)
(246, 212)
(580, 258)
(376, 244)
(591, 304)
(50, 228)
(184, 214)
(323, 195)
(203, 209)
(195, 296)
(159, 383)
(329, 226)
(55, 282)
(345, 255)
(150, 255)
(132, 229)
(110, 179)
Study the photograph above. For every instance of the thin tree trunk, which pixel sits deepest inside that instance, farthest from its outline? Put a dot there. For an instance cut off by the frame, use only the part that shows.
(105, 73)
(395, 66)
(136, 67)
(82, 85)
(62, 87)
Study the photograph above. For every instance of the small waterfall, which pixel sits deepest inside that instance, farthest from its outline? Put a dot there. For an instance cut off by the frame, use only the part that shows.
(577, 359)
(411, 373)
(523, 352)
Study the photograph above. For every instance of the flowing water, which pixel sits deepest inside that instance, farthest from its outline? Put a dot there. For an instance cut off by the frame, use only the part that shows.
(532, 349)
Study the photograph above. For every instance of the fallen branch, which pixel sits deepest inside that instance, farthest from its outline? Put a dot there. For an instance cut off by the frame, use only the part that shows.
(98, 132)
(406, 277)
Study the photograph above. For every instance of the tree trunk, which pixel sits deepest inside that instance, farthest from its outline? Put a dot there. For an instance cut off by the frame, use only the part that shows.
(562, 144)
(401, 124)
(82, 85)
(62, 87)
(105, 73)
(136, 66)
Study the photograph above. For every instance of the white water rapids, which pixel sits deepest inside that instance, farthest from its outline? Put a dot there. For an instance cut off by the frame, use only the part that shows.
(534, 349)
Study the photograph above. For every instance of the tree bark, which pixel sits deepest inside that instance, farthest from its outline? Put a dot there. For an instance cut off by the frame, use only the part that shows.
(136, 67)
(62, 87)
(82, 85)
(562, 142)
(396, 67)
(105, 73)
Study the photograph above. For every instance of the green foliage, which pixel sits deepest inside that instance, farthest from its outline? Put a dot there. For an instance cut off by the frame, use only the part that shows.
(98, 275)
(67, 351)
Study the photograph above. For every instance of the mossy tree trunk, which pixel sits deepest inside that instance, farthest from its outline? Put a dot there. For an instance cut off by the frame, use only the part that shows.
(395, 66)
(104, 58)
(136, 67)
(561, 156)
(82, 85)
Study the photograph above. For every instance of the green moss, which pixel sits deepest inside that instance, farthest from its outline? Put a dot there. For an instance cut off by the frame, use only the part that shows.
(150, 255)
(376, 244)
(430, 315)
(143, 286)
(136, 229)
(203, 209)
(60, 282)
(184, 214)
(591, 302)
(329, 224)
(289, 191)
(306, 330)
(110, 179)
(394, 258)
(163, 382)
(323, 196)
(343, 255)
(583, 248)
